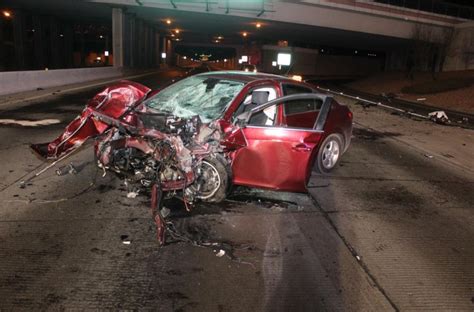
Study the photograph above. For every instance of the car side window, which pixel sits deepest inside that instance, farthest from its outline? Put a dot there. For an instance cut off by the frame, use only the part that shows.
(266, 118)
(299, 106)
(301, 113)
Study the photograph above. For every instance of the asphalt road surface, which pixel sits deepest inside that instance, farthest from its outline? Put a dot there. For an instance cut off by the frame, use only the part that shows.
(390, 229)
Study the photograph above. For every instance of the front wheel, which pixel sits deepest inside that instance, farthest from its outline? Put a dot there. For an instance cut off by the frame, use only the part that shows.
(329, 153)
(212, 181)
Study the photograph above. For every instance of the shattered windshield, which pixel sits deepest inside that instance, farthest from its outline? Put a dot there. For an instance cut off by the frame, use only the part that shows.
(197, 95)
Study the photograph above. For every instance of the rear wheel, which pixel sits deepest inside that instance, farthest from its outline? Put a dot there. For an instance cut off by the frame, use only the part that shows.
(329, 153)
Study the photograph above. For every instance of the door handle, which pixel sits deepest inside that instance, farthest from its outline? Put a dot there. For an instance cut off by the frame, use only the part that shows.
(301, 147)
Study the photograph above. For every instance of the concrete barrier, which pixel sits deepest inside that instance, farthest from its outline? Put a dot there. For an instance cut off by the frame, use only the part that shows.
(20, 81)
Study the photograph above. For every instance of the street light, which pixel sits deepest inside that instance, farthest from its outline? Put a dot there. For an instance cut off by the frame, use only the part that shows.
(244, 34)
(7, 13)
(168, 21)
(258, 25)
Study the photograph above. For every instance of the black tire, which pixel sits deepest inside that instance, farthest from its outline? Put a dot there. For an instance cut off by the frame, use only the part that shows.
(329, 153)
(216, 163)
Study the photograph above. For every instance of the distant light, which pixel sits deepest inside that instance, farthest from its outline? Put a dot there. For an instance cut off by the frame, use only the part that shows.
(101, 37)
(177, 39)
(297, 77)
(32, 30)
(184, 57)
(177, 31)
(168, 21)
(163, 55)
(7, 13)
(61, 35)
(240, 61)
(247, 70)
(322, 50)
(245, 58)
(172, 35)
(284, 59)
(258, 25)
(98, 58)
(216, 41)
(217, 61)
(255, 70)
(274, 63)
(244, 34)
(356, 51)
(220, 37)
(106, 53)
(225, 60)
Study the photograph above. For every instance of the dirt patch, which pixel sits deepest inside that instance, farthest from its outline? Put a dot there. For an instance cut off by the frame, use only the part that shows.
(367, 134)
(399, 197)
(451, 90)
(438, 86)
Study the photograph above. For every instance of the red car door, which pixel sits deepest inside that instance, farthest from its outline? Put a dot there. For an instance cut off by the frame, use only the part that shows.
(277, 157)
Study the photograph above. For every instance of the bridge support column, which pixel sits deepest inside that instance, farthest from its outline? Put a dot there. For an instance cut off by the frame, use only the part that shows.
(117, 36)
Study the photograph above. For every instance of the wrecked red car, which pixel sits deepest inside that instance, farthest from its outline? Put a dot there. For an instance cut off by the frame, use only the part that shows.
(200, 135)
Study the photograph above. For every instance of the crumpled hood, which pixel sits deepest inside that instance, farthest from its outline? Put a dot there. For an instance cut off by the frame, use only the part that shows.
(115, 102)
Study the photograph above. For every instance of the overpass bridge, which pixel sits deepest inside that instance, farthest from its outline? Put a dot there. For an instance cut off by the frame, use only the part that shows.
(352, 36)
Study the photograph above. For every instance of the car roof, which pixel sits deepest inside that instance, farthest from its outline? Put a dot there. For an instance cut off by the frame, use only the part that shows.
(241, 75)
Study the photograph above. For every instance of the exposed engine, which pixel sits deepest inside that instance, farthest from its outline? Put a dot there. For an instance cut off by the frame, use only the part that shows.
(176, 153)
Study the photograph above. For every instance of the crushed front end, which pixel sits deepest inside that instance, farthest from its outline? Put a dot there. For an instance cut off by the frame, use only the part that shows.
(157, 153)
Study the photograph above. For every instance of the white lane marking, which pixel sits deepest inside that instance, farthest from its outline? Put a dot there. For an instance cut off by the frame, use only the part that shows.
(29, 123)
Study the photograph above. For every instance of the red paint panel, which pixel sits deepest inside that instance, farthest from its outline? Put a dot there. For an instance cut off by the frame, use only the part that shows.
(275, 158)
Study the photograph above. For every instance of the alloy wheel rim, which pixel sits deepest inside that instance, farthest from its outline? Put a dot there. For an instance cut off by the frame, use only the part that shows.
(330, 154)
(212, 180)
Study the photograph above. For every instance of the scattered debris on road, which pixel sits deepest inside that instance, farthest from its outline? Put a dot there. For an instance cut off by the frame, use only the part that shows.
(439, 117)
(125, 239)
(68, 169)
(220, 253)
